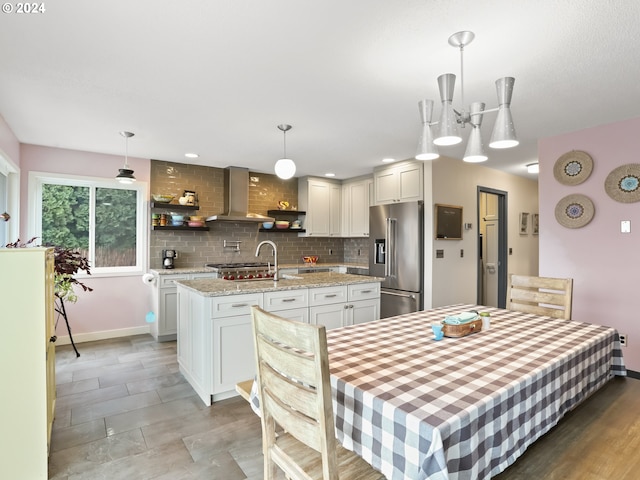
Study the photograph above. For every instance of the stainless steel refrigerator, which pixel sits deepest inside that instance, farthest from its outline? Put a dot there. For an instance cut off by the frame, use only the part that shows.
(396, 253)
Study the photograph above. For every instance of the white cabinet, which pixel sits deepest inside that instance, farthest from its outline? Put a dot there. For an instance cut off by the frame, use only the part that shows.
(356, 199)
(215, 339)
(27, 361)
(402, 182)
(321, 199)
(340, 306)
(215, 343)
(331, 316)
(165, 327)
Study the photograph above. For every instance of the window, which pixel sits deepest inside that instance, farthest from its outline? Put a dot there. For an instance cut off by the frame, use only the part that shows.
(98, 217)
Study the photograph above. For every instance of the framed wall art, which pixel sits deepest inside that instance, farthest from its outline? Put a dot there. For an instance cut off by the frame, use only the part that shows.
(524, 223)
(448, 222)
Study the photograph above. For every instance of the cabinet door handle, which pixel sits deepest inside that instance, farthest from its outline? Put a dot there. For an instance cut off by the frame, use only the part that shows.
(330, 295)
(238, 305)
(365, 291)
(288, 299)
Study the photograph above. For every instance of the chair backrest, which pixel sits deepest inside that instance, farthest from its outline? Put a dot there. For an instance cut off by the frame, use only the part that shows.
(540, 295)
(295, 391)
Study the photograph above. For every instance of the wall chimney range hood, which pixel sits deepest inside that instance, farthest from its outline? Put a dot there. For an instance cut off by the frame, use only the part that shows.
(236, 198)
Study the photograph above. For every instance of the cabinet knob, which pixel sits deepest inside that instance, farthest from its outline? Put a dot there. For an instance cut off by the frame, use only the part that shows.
(53, 339)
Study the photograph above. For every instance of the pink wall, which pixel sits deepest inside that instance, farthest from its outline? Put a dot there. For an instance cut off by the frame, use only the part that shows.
(116, 302)
(9, 144)
(604, 263)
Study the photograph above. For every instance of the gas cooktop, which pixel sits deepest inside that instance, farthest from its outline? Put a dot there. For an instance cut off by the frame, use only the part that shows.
(229, 266)
(243, 271)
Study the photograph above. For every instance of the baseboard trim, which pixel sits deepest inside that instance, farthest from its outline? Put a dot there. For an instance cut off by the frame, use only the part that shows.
(632, 374)
(106, 334)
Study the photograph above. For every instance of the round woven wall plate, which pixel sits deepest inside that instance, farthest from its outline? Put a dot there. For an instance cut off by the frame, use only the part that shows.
(574, 211)
(623, 183)
(573, 168)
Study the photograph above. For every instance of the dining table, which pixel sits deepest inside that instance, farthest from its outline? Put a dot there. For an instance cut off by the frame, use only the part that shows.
(461, 408)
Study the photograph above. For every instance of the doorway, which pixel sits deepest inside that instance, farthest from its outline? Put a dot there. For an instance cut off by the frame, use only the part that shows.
(492, 247)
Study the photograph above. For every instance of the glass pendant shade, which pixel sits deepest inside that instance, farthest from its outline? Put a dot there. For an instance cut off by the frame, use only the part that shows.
(475, 149)
(448, 125)
(504, 132)
(285, 168)
(427, 150)
(125, 174)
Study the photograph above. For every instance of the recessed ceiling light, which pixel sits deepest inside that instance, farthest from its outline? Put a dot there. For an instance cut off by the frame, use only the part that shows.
(191, 155)
(388, 160)
(329, 174)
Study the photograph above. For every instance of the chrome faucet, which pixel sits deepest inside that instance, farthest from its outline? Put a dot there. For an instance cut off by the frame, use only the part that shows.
(275, 256)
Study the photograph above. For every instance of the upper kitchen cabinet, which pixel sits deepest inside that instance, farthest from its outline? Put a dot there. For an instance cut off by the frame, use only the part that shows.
(321, 199)
(357, 195)
(402, 182)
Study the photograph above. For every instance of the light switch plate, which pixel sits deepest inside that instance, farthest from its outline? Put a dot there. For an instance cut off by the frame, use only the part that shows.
(625, 226)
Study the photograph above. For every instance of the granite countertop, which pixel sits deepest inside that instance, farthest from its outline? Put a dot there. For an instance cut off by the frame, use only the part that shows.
(216, 287)
(183, 270)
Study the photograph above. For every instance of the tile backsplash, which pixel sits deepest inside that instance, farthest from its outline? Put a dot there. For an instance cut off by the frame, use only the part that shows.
(195, 248)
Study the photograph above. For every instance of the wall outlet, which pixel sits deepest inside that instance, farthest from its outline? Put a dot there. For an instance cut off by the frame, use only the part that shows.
(331, 251)
(623, 339)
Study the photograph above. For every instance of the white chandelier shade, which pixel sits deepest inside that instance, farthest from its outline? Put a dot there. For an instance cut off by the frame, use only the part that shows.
(427, 150)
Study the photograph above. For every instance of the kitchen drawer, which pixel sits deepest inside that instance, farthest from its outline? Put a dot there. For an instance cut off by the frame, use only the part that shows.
(327, 295)
(363, 291)
(232, 305)
(167, 281)
(197, 276)
(286, 299)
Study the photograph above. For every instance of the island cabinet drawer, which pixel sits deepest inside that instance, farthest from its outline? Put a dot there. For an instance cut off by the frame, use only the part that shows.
(167, 281)
(232, 305)
(286, 299)
(363, 291)
(327, 295)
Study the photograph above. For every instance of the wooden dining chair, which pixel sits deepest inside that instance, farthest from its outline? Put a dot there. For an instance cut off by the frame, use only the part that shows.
(540, 295)
(298, 433)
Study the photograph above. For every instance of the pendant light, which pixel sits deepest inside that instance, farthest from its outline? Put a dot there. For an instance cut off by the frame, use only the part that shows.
(125, 174)
(285, 167)
(447, 128)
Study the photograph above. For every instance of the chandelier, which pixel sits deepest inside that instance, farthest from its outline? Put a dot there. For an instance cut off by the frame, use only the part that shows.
(446, 130)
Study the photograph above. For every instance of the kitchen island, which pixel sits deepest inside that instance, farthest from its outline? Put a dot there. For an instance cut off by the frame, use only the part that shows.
(215, 344)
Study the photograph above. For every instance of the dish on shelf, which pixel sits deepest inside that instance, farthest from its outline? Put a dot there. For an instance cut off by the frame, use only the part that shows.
(293, 227)
(195, 224)
(196, 218)
(177, 223)
(267, 224)
(282, 224)
(162, 198)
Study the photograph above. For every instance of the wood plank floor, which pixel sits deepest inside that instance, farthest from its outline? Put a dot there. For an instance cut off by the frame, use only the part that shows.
(125, 412)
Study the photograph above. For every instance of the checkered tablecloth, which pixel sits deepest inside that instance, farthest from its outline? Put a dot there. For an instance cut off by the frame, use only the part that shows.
(461, 408)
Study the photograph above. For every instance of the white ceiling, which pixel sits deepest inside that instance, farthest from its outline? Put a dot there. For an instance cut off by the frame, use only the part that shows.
(217, 77)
